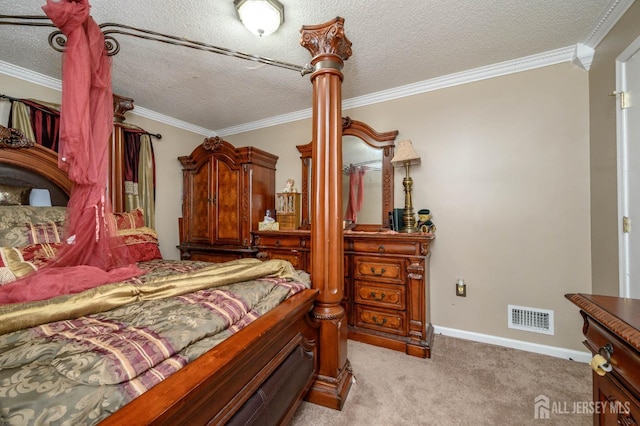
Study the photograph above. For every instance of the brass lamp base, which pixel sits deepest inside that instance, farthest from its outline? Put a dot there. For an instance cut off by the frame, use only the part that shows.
(409, 221)
(408, 217)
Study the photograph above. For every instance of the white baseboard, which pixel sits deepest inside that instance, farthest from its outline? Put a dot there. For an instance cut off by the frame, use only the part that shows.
(515, 344)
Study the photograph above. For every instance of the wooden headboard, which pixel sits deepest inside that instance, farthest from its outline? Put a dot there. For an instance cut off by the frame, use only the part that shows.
(37, 167)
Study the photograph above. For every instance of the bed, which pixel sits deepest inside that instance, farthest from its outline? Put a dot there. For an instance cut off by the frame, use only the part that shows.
(237, 380)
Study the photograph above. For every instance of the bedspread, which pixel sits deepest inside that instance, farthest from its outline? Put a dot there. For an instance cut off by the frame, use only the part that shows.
(79, 370)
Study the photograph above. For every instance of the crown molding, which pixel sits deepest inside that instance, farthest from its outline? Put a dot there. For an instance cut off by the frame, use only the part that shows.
(564, 54)
(607, 19)
(583, 56)
(165, 119)
(30, 76)
(526, 63)
(267, 122)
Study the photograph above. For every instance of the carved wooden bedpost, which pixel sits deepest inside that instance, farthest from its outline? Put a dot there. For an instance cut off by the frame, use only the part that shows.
(329, 47)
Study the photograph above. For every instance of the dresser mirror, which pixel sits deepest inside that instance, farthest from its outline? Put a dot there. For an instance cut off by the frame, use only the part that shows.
(366, 157)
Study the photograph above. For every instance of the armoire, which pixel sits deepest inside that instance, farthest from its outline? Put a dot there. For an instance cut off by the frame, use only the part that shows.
(226, 192)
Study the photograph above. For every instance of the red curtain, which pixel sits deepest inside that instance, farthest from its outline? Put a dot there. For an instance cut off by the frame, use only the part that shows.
(356, 193)
(46, 124)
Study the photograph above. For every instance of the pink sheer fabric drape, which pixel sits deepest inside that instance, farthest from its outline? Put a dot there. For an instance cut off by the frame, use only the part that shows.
(94, 255)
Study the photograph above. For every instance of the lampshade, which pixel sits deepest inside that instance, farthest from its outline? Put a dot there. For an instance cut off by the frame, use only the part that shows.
(40, 198)
(404, 152)
(261, 17)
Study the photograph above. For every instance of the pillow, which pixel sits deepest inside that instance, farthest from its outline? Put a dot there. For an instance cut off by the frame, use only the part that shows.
(18, 215)
(14, 195)
(142, 243)
(16, 262)
(30, 233)
(129, 220)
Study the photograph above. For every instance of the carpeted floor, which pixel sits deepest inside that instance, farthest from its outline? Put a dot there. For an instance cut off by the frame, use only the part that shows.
(463, 383)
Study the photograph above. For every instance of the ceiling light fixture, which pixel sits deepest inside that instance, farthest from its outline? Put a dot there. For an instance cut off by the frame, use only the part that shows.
(261, 17)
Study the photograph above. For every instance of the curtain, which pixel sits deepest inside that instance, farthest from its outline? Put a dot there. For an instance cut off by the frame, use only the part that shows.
(38, 120)
(20, 119)
(356, 192)
(139, 173)
(147, 180)
(131, 161)
(46, 124)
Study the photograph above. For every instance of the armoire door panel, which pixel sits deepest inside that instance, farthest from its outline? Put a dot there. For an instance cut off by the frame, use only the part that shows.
(227, 206)
(202, 215)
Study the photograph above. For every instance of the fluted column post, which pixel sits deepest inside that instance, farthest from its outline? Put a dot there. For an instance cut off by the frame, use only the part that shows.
(329, 47)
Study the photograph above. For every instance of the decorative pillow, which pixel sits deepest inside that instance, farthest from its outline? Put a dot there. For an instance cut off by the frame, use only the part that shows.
(142, 243)
(20, 261)
(6, 276)
(29, 233)
(129, 220)
(18, 215)
(14, 195)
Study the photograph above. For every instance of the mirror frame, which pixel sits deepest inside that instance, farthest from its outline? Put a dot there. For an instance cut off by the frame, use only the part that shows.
(384, 141)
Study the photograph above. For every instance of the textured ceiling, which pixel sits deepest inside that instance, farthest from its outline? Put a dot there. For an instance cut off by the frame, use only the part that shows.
(394, 44)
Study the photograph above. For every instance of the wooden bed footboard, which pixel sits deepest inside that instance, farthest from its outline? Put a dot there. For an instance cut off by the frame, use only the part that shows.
(234, 377)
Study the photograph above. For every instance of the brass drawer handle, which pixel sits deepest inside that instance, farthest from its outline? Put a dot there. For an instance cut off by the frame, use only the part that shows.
(373, 272)
(376, 322)
(606, 351)
(277, 243)
(601, 362)
(380, 249)
(375, 296)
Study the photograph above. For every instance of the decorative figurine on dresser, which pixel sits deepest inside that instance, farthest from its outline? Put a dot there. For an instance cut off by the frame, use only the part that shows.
(226, 192)
(386, 274)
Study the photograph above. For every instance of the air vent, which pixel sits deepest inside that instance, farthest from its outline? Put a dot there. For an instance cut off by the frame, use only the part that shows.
(530, 319)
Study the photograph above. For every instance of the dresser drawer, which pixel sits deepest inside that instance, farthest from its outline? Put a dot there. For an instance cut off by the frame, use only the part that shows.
(274, 240)
(407, 248)
(287, 221)
(388, 270)
(615, 405)
(383, 295)
(624, 360)
(386, 321)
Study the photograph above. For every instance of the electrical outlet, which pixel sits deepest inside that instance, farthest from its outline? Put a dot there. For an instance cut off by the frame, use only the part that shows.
(461, 288)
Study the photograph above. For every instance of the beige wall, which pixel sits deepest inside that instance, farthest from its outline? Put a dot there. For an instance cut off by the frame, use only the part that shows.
(604, 190)
(174, 143)
(505, 172)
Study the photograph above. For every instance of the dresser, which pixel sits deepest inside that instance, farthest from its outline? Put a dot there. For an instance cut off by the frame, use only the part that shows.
(612, 330)
(386, 283)
(226, 191)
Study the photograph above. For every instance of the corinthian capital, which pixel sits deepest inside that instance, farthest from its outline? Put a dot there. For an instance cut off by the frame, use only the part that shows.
(327, 38)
